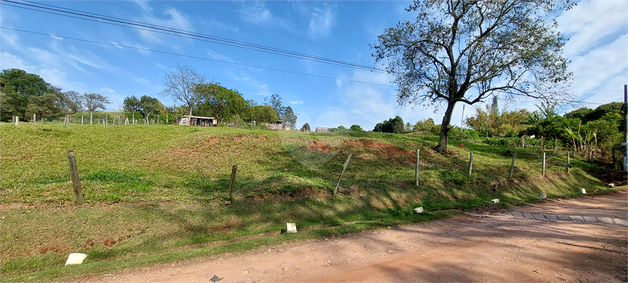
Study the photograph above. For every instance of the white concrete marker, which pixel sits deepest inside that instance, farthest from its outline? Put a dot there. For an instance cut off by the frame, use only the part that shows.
(495, 200)
(291, 227)
(543, 196)
(75, 258)
(418, 210)
(583, 191)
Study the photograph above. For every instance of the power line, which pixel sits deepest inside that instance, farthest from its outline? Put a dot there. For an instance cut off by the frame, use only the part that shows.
(55, 10)
(191, 56)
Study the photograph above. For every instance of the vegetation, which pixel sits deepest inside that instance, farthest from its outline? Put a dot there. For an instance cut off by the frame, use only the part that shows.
(393, 125)
(156, 193)
(466, 51)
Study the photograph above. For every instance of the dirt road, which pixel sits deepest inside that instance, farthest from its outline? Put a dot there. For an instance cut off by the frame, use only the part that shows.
(581, 239)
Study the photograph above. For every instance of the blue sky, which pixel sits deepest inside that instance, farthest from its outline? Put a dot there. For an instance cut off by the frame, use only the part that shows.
(342, 30)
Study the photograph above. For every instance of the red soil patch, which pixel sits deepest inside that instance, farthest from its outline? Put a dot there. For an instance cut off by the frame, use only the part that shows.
(110, 242)
(89, 244)
(239, 138)
(53, 248)
(461, 145)
(318, 145)
(385, 148)
(211, 140)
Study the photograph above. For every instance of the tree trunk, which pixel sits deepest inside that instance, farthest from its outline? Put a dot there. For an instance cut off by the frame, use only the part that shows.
(190, 117)
(444, 128)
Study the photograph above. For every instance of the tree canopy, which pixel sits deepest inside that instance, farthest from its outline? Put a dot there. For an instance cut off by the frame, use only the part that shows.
(94, 101)
(468, 50)
(181, 85)
(221, 102)
(393, 125)
(17, 87)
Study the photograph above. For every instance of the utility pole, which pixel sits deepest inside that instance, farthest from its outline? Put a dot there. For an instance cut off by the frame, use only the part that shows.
(462, 119)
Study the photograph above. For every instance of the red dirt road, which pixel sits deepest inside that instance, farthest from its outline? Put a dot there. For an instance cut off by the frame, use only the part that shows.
(495, 248)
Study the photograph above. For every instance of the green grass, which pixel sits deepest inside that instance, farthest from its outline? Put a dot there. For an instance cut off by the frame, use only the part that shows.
(157, 193)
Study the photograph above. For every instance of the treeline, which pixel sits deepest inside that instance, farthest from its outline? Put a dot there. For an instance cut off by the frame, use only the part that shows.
(585, 131)
(23, 94)
(203, 97)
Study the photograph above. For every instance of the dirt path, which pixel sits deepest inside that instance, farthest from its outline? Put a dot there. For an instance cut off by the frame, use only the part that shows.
(501, 246)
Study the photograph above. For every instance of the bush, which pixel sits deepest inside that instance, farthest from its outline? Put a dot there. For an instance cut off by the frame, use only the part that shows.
(356, 128)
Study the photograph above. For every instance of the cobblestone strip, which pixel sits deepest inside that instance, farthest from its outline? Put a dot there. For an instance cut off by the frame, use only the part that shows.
(573, 218)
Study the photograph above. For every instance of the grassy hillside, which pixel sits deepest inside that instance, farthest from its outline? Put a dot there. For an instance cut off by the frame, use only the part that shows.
(155, 189)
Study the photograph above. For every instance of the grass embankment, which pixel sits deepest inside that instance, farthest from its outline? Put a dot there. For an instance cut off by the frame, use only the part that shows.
(156, 193)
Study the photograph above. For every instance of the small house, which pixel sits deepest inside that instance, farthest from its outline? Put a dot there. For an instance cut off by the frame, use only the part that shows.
(197, 121)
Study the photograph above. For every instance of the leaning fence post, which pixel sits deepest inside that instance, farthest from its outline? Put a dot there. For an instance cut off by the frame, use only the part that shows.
(76, 182)
(342, 173)
(543, 164)
(234, 169)
(512, 167)
(416, 168)
(470, 163)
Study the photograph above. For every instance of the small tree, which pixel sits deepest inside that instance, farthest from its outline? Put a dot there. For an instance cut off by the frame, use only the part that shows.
(305, 128)
(181, 85)
(356, 128)
(94, 101)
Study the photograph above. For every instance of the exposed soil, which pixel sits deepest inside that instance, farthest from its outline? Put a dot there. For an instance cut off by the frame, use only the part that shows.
(464, 248)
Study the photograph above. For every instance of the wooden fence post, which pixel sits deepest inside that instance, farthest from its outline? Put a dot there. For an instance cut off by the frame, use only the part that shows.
(470, 163)
(342, 173)
(568, 163)
(106, 119)
(416, 168)
(34, 119)
(234, 170)
(543, 164)
(82, 117)
(523, 141)
(91, 115)
(512, 167)
(76, 182)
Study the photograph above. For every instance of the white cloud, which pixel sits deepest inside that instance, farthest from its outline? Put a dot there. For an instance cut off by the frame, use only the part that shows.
(10, 61)
(59, 78)
(321, 21)
(598, 32)
(255, 12)
(174, 19)
(143, 5)
(365, 104)
(116, 44)
(258, 87)
(590, 22)
(45, 57)
(591, 70)
(217, 56)
(56, 37)
(296, 102)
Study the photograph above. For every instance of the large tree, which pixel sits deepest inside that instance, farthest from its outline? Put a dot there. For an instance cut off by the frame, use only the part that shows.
(181, 85)
(16, 88)
(221, 102)
(468, 50)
